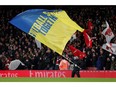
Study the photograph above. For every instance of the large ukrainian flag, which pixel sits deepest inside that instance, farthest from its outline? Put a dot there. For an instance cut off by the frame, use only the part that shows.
(50, 27)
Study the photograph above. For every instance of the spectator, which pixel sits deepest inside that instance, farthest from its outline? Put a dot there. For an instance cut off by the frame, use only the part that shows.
(1, 63)
(115, 66)
(64, 64)
(108, 64)
(113, 61)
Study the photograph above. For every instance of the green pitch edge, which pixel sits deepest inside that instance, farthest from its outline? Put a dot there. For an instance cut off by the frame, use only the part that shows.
(57, 79)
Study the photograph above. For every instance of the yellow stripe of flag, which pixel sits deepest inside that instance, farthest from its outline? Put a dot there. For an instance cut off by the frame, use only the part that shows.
(55, 31)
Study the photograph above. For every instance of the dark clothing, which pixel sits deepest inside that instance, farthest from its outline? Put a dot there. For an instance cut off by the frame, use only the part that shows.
(36, 62)
(21, 67)
(1, 65)
(100, 63)
(76, 70)
(114, 66)
(108, 65)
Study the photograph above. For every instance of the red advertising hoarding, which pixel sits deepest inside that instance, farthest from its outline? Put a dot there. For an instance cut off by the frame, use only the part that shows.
(56, 74)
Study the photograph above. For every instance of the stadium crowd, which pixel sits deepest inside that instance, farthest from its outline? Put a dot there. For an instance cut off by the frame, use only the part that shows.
(15, 44)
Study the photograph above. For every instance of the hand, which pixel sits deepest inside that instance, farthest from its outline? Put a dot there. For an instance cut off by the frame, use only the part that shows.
(76, 65)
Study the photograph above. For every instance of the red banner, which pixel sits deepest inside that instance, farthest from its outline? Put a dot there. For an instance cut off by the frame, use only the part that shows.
(36, 73)
(56, 74)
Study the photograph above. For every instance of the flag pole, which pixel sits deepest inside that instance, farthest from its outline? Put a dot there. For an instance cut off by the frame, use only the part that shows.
(71, 62)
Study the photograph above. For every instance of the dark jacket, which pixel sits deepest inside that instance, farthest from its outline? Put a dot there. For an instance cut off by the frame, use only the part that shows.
(76, 64)
(1, 65)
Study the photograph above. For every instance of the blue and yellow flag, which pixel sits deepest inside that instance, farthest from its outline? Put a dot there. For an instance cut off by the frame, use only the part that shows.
(50, 27)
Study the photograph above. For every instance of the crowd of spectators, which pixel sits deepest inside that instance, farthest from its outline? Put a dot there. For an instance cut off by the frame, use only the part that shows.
(16, 44)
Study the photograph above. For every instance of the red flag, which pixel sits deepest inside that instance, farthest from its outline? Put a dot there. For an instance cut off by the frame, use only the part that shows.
(88, 40)
(90, 27)
(77, 52)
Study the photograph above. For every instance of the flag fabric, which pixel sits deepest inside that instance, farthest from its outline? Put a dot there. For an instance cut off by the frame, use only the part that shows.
(52, 28)
(110, 47)
(88, 40)
(38, 44)
(77, 52)
(107, 32)
(90, 27)
(15, 64)
(73, 37)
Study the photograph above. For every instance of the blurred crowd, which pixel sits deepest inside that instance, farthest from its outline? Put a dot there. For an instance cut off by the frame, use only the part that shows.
(16, 44)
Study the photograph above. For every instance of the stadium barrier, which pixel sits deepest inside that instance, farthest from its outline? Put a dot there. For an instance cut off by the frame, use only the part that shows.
(56, 73)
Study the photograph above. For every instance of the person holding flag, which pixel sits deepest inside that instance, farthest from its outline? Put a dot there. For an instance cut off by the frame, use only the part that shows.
(76, 69)
(76, 61)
